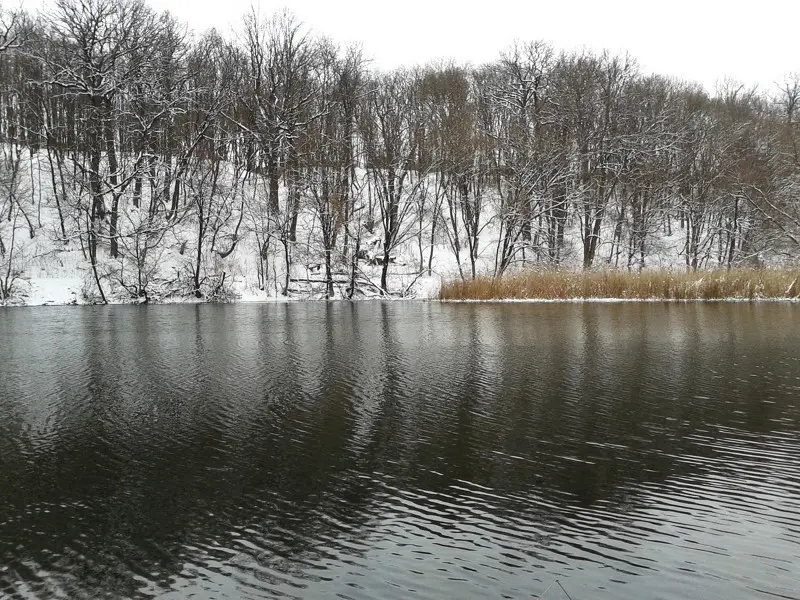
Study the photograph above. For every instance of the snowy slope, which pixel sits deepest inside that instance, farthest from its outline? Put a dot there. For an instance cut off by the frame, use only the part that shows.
(50, 270)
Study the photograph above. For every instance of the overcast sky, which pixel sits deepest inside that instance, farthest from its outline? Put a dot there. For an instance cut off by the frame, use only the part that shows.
(702, 40)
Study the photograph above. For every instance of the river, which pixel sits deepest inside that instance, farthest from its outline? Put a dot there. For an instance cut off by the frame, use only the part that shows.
(400, 450)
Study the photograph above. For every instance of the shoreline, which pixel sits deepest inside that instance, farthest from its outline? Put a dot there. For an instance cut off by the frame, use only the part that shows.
(597, 300)
(609, 300)
(539, 286)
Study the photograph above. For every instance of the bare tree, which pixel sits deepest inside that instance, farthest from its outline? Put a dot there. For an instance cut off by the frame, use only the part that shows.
(389, 127)
(11, 188)
(99, 47)
(327, 156)
(288, 146)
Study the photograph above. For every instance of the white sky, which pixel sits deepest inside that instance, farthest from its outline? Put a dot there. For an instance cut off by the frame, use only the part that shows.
(756, 42)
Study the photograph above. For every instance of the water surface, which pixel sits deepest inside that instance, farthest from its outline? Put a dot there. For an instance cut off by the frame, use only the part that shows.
(400, 450)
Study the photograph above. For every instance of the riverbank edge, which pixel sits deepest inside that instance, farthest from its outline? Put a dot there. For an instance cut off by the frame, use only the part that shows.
(542, 286)
(786, 300)
(276, 301)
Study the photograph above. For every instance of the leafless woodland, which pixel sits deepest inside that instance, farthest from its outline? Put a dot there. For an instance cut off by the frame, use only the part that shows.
(282, 137)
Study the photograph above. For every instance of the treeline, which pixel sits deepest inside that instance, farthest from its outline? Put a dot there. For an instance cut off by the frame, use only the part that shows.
(145, 128)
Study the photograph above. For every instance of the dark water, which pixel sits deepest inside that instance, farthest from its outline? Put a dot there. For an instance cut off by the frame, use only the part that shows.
(400, 450)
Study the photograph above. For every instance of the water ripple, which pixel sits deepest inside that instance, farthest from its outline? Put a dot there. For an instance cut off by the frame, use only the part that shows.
(400, 450)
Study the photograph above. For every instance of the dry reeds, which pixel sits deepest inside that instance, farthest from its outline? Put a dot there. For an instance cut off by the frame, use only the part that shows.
(555, 284)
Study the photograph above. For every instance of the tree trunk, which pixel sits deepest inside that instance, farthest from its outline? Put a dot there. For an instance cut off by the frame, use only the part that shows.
(274, 183)
(294, 196)
(113, 167)
(199, 256)
(733, 233)
(285, 243)
(137, 191)
(328, 275)
(385, 271)
(55, 187)
(98, 209)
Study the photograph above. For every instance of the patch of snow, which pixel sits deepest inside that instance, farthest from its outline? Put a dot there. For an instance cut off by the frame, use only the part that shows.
(52, 291)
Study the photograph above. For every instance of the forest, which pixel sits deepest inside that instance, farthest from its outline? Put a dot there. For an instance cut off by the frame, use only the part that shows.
(169, 163)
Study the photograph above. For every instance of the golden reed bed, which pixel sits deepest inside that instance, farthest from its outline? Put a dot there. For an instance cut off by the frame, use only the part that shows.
(556, 284)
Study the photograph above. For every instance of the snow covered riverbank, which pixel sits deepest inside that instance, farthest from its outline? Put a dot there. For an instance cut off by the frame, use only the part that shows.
(42, 266)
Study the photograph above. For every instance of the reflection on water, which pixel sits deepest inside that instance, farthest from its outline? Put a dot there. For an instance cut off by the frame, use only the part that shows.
(400, 450)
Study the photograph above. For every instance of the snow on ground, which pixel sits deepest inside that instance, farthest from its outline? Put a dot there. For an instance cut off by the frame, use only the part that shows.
(58, 272)
(46, 291)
